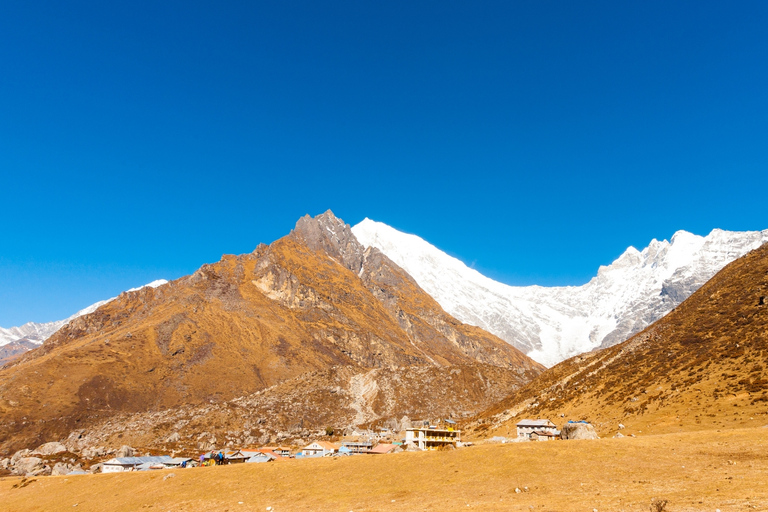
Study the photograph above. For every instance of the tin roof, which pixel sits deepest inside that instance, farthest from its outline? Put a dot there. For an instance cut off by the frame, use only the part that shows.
(135, 461)
(382, 448)
(535, 423)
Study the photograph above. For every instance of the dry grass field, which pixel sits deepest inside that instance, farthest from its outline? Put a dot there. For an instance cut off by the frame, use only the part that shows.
(692, 471)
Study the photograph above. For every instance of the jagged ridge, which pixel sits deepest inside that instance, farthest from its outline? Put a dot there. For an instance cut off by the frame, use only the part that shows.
(552, 323)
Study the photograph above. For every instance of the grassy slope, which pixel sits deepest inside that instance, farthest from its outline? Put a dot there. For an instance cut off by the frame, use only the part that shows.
(702, 366)
(694, 471)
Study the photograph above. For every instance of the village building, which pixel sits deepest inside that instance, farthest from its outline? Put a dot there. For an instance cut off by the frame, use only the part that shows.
(543, 435)
(257, 456)
(282, 451)
(234, 457)
(319, 449)
(384, 448)
(121, 464)
(432, 438)
(359, 446)
(542, 427)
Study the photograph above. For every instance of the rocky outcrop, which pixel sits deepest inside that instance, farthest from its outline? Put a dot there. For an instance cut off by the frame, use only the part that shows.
(578, 430)
(51, 448)
(126, 451)
(28, 465)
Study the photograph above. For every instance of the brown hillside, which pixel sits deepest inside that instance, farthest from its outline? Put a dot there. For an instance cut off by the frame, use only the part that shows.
(310, 303)
(704, 365)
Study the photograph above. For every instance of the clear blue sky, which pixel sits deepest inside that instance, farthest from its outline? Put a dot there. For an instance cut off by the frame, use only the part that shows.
(535, 140)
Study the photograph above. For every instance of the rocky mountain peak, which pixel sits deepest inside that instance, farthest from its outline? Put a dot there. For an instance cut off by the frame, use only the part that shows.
(329, 234)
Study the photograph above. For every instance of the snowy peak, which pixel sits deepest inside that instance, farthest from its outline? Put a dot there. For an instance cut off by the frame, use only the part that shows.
(553, 323)
(37, 333)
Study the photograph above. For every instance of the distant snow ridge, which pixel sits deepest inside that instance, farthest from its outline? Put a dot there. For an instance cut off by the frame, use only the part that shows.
(38, 333)
(551, 324)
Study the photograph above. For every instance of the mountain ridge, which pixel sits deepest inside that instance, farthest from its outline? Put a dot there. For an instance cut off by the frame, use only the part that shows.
(700, 367)
(312, 326)
(553, 323)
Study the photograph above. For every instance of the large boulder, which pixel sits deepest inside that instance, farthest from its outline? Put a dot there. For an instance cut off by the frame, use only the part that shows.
(92, 452)
(578, 430)
(20, 454)
(26, 465)
(51, 448)
(61, 468)
(126, 451)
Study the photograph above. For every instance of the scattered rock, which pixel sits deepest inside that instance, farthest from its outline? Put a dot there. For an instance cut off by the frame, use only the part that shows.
(169, 475)
(621, 426)
(51, 448)
(61, 469)
(91, 452)
(619, 434)
(126, 451)
(45, 470)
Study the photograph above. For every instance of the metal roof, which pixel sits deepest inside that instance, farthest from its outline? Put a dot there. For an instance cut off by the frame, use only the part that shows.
(535, 423)
(155, 459)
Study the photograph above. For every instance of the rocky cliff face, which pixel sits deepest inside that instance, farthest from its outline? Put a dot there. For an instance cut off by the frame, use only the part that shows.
(553, 323)
(332, 332)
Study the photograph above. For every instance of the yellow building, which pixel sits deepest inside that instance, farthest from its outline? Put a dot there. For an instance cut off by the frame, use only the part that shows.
(432, 438)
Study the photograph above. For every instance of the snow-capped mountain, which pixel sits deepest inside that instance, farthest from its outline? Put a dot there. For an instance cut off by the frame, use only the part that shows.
(37, 333)
(551, 324)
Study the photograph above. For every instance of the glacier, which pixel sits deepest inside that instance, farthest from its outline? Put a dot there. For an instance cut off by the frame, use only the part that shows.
(551, 324)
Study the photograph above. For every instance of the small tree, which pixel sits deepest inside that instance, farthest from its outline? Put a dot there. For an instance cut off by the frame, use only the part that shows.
(329, 431)
(658, 505)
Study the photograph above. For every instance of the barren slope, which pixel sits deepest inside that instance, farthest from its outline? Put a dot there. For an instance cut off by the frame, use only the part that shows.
(702, 366)
(309, 303)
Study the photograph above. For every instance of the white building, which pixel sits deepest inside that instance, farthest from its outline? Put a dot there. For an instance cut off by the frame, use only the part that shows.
(527, 427)
(319, 449)
(120, 464)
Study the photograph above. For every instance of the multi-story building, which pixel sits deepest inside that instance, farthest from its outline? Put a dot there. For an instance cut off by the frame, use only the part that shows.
(527, 427)
(432, 438)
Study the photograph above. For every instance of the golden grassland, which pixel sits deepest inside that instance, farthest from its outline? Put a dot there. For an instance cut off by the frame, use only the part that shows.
(693, 471)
